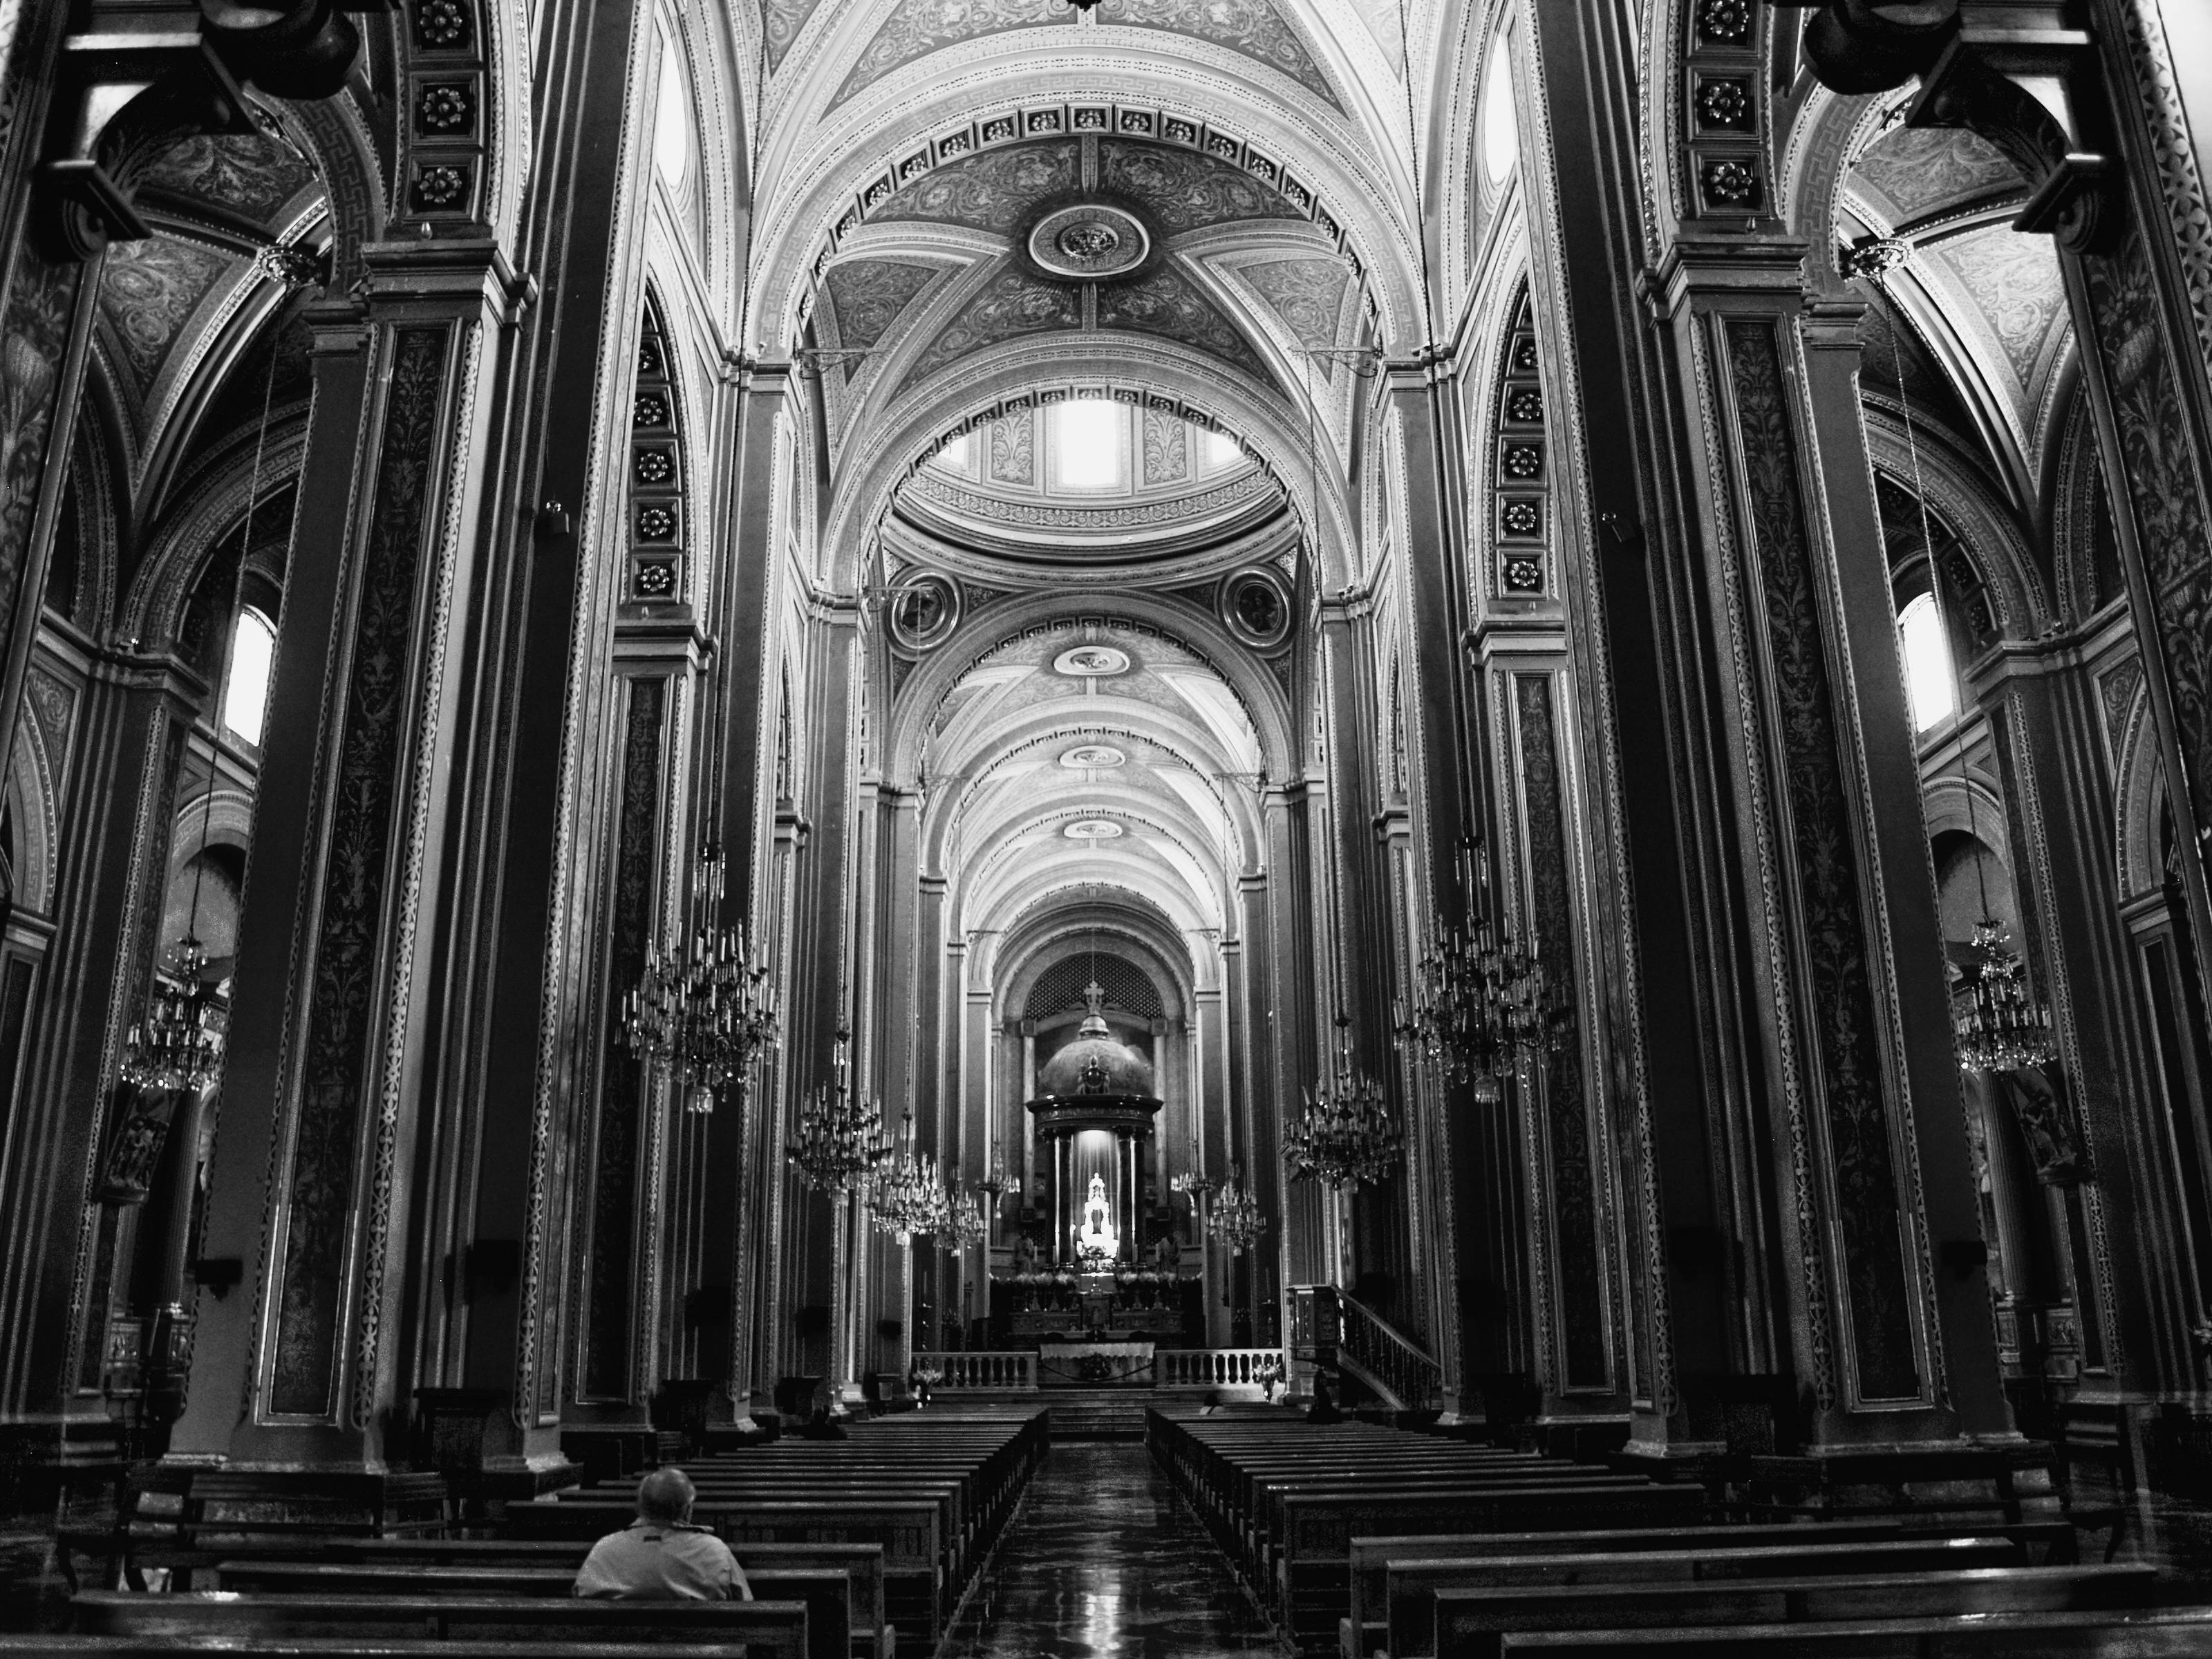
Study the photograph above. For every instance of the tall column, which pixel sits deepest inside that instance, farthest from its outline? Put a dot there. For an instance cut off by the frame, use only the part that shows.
(130, 723)
(299, 1374)
(1680, 1081)
(1470, 1146)
(732, 1166)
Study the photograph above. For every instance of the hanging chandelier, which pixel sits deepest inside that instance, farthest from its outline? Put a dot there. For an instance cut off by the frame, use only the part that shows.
(1192, 1182)
(969, 1227)
(909, 1197)
(180, 1043)
(1481, 1005)
(1236, 1219)
(2001, 1024)
(703, 1014)
(840, 1138)
(1345, 1136)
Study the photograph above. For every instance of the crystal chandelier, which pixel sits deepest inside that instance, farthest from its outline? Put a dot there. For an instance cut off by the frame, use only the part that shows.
(1235, 1220)
(1480, 1006)
(969, 1227)
(180, 1043)
(909, 1198)
(1194, 1182)
(702, 1015)
(2000, 1024)
(1345, 1136)
(840, 1138)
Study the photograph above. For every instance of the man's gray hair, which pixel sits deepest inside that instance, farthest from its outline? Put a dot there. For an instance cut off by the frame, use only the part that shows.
(665, 1495)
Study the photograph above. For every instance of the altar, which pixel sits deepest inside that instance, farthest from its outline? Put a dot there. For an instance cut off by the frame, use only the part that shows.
(1094, 1365)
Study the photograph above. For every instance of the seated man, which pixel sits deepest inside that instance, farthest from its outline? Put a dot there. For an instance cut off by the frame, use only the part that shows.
(661, 1556)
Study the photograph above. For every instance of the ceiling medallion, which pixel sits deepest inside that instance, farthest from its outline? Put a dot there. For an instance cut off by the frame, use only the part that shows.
(1092, 830)
(1091, 662)
(1093, 755)
(1088, 241)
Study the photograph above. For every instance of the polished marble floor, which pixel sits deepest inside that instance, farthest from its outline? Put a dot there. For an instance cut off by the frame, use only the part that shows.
(1104, 1562)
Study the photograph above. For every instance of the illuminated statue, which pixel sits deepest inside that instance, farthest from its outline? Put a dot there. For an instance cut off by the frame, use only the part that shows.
(1095, 1236)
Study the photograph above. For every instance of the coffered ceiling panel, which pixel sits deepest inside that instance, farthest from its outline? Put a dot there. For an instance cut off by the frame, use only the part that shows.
(1253, 27)
(1169, 305)
(918, 27)
(867, 297)
(993, 189)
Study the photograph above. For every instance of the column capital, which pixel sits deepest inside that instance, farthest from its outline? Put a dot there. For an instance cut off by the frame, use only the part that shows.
(436, 276)
(1712, 273)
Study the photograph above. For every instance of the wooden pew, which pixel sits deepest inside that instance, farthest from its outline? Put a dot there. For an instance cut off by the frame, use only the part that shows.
(862, 1565)
(250, 1645)
(906, 1534)
(827, 1593)
(766, 1629)
(1413, 1586)
(1470, 1623)
(1283, 1499)
(2156, 1633)
(2041, 1543)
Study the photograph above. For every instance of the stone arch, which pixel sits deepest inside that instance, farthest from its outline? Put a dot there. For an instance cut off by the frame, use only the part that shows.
(839, 170)
(154, 607)
(1272, 427)
(36, 813)
(1988, 531)
(1264, 701)
(2139, 796)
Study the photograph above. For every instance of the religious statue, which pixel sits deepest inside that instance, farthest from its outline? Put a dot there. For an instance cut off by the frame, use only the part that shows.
(1095, 1236)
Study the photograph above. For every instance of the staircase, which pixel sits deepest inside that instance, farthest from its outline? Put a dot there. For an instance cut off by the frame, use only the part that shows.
(1078, 1413)
(1372, 1353)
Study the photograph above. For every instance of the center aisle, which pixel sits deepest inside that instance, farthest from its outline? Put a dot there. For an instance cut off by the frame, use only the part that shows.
(1104, 1562)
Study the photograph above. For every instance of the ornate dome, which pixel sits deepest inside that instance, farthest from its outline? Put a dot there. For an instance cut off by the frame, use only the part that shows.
(1094, 1064)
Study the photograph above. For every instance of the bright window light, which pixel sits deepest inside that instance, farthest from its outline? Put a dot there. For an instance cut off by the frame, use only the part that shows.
(957, 455)
(1220, 450)
(252, 652)
(1501, 140)
(671, 119)
(1087, 443)
(1928, 680)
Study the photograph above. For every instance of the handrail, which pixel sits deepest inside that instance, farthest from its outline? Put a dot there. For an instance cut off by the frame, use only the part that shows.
(977, 1369)
(1372, 1343)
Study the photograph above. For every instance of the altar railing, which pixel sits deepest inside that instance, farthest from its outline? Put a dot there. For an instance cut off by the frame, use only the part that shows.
(979, 1370)
(1219, 1368)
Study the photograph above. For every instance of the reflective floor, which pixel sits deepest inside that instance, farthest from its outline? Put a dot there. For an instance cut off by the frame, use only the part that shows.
(1105, 1561)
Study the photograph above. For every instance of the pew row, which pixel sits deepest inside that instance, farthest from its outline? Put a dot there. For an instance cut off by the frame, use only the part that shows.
(760, 1629)
(1415, 1562)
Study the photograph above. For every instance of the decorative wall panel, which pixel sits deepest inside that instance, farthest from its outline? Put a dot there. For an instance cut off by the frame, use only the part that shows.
(1583, 1307)
(608, 1366)
(1845, 1072)
(342, 989)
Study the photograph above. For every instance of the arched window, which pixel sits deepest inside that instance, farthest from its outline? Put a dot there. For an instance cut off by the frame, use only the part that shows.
(1501, 139)
(672, 120)
(1927, 679)
(253, 655)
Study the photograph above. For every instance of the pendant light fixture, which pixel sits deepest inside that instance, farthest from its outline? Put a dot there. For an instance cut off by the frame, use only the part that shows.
(2000, 1023)
(180, 1041)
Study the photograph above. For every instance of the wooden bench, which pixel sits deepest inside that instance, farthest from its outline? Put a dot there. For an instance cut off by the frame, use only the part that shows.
(2041, 1543)
(2156, 1633)
(1413, 1586)
(252, 1645)
(1285, 1499)
(764, 1629)
(1470, 1623)
(827, 1593)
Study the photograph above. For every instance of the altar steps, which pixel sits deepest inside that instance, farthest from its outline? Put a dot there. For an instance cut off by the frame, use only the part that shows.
(1078, 1413)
